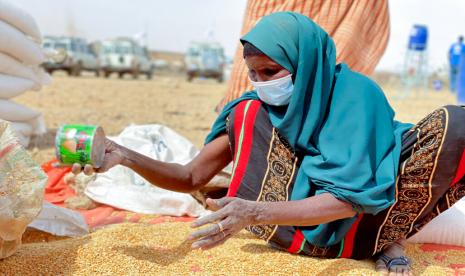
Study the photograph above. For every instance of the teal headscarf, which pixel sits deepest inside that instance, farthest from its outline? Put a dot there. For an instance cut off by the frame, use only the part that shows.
(339, 120)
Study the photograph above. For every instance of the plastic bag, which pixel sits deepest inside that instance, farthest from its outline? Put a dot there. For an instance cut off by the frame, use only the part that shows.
(22, 184)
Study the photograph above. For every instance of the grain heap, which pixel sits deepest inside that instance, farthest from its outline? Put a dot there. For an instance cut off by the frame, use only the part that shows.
(161, 249)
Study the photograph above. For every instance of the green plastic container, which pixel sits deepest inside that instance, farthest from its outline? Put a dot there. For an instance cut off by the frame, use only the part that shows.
(83, 144)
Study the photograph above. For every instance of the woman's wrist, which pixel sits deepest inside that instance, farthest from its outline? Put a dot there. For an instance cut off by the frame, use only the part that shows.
(125, 154)
(258, 213)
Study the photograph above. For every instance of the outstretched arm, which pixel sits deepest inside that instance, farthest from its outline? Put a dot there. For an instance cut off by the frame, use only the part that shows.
(175, 177)
(182, 178)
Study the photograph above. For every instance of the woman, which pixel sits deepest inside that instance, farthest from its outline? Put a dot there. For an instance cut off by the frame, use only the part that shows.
(360, 30)
(320, 166)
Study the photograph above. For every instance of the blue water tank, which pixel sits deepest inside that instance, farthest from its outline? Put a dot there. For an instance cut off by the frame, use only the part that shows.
(418, 38)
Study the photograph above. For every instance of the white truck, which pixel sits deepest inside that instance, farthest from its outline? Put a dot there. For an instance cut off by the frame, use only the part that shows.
(78, 56)
(125, 56)
(205, 60)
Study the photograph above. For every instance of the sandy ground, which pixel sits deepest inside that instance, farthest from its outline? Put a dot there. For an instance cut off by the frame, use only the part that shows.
(186, 107)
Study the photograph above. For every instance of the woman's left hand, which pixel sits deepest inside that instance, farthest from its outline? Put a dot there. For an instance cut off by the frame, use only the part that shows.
(231, 216)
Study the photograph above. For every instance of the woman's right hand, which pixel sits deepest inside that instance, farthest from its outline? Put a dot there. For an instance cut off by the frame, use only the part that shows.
(113, 156)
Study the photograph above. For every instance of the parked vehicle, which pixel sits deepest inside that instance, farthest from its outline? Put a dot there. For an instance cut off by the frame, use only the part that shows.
(79, 56)
(205, 60)
(125, 56)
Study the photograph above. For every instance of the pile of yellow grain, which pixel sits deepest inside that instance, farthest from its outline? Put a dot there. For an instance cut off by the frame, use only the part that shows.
(35, 236)
(161, 249)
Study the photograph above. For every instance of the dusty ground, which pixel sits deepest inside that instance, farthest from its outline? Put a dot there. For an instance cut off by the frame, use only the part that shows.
(169, 100)
(114, 104)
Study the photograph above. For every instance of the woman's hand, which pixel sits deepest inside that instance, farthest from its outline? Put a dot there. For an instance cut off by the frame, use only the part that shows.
(113, 156)
(232, 215)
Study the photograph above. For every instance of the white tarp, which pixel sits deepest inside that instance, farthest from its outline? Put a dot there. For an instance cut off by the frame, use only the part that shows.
(122, 188)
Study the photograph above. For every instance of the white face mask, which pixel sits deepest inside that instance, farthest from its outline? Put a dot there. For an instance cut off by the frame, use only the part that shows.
(275, 92)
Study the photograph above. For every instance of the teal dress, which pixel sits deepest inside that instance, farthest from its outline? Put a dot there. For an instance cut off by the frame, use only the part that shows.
(339, 121)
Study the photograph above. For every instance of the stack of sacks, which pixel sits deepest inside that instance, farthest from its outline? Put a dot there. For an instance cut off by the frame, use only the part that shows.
(20, 58)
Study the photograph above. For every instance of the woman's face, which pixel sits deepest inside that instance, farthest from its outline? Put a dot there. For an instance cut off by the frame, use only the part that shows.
(262, 68)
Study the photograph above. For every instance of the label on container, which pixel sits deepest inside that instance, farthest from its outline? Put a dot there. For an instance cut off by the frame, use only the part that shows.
(74, 144)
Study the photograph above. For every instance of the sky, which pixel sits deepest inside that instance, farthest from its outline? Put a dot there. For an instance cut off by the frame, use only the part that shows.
(445, 20)
(172, 24)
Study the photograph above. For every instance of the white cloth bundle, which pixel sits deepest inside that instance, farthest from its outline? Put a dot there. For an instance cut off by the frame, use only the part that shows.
(20, 58)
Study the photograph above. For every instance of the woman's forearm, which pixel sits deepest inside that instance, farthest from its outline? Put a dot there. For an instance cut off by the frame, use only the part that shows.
(315, 210)
(181, 178)
(170, 176)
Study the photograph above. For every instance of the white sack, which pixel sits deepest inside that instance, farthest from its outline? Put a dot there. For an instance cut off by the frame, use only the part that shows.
(16, 44)
(23, 128)
(60, 221)
(38, 125)
(20, 19)
(11, 87)
(447, 228)
(12, 67)
(23, 131)
(122, 188)
(13, 112)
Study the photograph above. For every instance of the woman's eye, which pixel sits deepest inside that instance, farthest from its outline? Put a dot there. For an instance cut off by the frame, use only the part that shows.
(270, 72)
